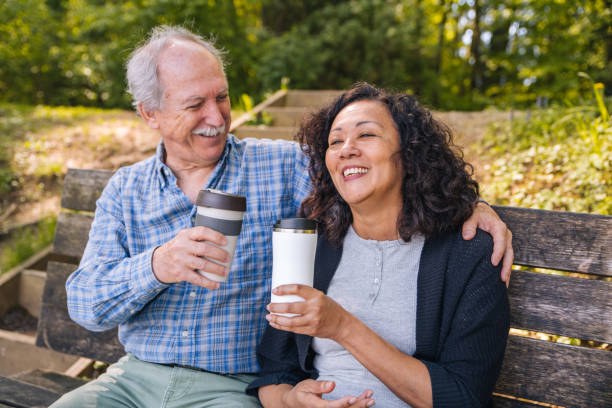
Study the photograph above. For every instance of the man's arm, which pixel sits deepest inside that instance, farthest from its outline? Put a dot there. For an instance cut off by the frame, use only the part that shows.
(487, 220)
(110, 285)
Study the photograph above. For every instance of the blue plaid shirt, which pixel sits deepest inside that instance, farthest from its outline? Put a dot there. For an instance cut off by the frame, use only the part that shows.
(141, 208)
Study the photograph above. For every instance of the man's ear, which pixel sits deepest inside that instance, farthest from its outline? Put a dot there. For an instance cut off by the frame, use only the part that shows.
(150, 117)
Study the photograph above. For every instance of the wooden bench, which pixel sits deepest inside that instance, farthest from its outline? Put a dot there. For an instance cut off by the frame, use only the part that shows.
(534, 370)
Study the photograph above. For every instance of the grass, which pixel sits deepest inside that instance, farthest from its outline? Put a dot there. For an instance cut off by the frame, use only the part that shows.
(19, 121)
(25, 242)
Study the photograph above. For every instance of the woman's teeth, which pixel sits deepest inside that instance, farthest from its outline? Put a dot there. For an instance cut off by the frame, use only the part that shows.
(354, 170)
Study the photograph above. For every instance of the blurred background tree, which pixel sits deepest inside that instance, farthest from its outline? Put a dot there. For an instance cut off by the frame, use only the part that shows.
(453, 54)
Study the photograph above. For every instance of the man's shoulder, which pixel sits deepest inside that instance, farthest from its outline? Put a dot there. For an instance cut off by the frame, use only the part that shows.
(267, 146)
(139, 171)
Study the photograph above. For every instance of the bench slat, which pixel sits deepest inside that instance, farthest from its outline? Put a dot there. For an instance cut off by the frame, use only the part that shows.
(58, 332)
(556, 373)
(501, 402)
(71, 234)
(560, 240)
(18, 394)
(562, 305)
(83, 187)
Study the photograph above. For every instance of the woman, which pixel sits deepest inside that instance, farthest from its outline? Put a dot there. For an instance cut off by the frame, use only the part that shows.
(403, 310)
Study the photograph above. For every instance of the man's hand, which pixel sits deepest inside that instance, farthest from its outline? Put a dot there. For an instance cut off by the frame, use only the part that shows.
(308, 393)
(487, 220)
(178, 259)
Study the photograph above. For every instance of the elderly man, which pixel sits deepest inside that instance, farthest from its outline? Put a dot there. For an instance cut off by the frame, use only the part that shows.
(190, 341)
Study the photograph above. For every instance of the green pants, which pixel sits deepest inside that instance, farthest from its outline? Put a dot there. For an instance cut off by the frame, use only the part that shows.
(134, 383)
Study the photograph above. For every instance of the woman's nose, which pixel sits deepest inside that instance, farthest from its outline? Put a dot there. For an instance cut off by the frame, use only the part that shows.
(348, 148)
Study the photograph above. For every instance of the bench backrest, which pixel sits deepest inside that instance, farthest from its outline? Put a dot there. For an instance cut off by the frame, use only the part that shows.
(577, 306)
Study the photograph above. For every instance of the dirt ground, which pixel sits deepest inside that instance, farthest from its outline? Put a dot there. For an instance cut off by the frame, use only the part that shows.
(114, 140)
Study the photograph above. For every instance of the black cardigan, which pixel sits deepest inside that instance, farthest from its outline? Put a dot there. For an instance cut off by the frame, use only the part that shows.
(461, 328)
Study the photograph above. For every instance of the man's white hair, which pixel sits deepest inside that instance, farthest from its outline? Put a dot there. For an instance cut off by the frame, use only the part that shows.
(142, 66)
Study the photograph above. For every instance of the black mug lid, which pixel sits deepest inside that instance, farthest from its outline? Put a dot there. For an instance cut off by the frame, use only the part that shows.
(296, 224)
(220, 199)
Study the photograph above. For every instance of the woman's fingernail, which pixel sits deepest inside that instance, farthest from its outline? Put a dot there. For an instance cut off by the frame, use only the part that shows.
(352, 400)
(371, 404)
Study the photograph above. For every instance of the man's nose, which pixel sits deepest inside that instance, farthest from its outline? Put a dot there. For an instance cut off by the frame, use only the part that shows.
(213, 115)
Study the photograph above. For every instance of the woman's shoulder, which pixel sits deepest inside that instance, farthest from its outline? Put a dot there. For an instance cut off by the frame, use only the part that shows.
(457, 258)
(454, 243)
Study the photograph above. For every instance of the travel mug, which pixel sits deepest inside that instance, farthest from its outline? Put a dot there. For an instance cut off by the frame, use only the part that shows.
(221, 212)
(294, 243)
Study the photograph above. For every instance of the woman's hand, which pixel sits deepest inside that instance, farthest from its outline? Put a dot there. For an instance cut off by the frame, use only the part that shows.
(308, 393)
(487, 220)
(319, 315)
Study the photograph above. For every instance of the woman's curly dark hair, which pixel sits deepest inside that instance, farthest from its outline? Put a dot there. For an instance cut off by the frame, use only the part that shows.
(437, 186)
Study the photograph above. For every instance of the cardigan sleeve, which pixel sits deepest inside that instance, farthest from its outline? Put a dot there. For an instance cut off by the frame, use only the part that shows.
(472, 351)
(277, 355)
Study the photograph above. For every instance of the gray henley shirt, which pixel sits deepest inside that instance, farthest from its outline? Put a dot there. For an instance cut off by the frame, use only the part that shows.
(377, 282)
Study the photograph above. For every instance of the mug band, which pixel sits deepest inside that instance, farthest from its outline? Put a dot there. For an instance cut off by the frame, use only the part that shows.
(295, 231)
(226, 227)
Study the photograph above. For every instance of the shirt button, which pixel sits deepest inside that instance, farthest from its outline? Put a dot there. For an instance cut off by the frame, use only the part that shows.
(192, 294)
(376, 281)
(185, 333)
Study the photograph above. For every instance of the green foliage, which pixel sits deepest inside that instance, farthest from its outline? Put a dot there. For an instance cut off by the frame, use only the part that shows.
(557, 159)
(26, 242)
(454, 54)
(339, 45)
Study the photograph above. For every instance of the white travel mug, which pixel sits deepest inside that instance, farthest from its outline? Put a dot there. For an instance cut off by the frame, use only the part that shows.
(294, 243)
(221, 212)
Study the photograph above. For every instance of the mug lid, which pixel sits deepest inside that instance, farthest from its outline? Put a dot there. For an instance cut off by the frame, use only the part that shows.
(296, 224)
(221, 200)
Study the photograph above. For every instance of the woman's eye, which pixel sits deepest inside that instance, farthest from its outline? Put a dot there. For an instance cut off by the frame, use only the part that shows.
(366, 135)
(335, 142)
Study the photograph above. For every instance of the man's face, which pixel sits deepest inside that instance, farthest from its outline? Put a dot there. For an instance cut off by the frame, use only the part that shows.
(195, 113)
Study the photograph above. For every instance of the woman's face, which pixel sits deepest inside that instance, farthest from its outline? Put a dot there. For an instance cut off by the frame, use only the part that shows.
(362, 156)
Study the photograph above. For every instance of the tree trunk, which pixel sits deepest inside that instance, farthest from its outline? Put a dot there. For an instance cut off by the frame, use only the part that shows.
(476, 80)
(418, 58)
(440, 51)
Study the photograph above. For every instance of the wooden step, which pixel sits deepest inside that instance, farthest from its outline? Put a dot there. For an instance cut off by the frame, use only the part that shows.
(49, 380)
(288, 116)
(31, 289)
(266, 132)
(310, 98)
(19, 354)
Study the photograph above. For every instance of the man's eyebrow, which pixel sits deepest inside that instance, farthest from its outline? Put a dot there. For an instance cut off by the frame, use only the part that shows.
(195, 98)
